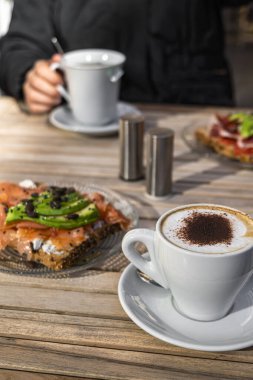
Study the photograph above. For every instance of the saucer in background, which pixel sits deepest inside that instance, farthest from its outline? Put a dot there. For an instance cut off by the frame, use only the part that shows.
(62, 117)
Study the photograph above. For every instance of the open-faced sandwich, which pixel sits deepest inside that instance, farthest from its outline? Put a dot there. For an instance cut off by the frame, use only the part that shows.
(55, 226)
(230, 136)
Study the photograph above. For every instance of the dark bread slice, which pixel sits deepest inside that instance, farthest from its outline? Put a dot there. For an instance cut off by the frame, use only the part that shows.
(77, 255)
(218, 144)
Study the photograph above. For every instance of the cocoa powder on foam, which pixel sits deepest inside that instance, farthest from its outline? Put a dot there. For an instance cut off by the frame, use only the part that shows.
(206, 229)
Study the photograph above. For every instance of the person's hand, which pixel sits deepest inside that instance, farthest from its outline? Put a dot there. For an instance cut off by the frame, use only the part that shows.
(40, 86)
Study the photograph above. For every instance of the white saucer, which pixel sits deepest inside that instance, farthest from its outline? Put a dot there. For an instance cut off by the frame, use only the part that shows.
(150, 307)
(62, 117)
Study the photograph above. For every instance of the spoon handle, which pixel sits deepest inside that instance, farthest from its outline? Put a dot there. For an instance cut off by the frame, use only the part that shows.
(144, 277)
(57, 45)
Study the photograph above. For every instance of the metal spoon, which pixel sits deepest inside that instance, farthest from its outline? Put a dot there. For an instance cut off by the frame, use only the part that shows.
(57, 45)
(144, 277)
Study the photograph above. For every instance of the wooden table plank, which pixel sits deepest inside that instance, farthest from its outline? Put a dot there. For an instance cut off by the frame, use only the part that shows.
(97, 332)
(119, 364)
(61, 301)
(21, 375)
(90, 281)
(135, 339)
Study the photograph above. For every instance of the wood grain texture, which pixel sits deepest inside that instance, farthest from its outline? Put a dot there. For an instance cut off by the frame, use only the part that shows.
(75, 327)
(23, 375)
(99, 363)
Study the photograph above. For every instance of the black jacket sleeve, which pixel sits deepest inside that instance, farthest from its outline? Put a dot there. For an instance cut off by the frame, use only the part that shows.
(28, 39)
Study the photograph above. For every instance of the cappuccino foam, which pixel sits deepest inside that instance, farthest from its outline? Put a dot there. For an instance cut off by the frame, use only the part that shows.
(207, 229)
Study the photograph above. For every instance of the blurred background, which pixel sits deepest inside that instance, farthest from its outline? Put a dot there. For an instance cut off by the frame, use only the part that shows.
(239, 41)
(5, 14)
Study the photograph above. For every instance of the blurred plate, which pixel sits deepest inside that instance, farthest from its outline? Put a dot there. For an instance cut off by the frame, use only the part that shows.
(12, 262)
(188, 136)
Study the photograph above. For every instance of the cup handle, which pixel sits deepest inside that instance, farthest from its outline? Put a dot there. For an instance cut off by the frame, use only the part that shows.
(146, 237)
(61, 89)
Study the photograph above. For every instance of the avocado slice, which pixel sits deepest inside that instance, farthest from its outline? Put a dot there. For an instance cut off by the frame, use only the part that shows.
(47, 204)
(48, 195)
(85, 216)
(70, 207)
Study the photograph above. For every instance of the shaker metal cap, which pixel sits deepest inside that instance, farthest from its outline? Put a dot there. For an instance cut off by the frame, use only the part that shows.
(132, 118)
(161, 133)
(159, 162)
(131, 134)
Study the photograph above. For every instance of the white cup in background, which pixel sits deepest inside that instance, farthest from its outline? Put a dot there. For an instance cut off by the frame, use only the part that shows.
(204, 279)
(93, 82)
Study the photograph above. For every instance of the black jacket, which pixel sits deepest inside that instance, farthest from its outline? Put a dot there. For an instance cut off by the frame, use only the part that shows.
(174, 48)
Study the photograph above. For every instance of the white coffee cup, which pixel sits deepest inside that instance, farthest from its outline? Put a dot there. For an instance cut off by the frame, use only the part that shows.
(93, 82)
(204, 286)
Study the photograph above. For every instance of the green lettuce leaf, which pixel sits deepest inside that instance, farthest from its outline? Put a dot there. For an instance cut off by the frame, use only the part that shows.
(246, 123)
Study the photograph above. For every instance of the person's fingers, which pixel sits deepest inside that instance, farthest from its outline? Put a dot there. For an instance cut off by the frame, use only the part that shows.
(42, 85)
(56, 58)
(36, 101)
(39, 97)
(43, 70)
(38, 108)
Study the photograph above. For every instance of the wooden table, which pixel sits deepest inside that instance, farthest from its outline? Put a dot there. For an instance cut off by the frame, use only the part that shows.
(75, 327)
